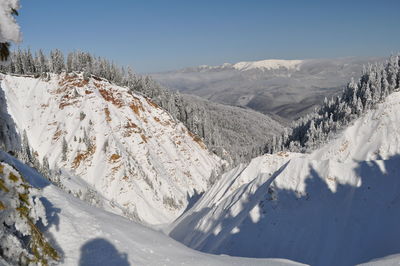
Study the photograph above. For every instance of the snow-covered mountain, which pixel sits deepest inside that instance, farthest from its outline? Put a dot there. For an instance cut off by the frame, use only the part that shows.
(110, 144)
(269, 64)
(338, 205)
(286, 88)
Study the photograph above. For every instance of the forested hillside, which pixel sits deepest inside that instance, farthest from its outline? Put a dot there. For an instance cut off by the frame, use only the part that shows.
(376, 83)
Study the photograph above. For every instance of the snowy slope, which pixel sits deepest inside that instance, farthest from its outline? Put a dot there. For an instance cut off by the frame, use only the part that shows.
(337, 206)
(122, 145)
(86, 235)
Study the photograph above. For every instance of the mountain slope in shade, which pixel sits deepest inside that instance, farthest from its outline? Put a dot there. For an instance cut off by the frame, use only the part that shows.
(87, 235)
(336, 206)
(119, 144)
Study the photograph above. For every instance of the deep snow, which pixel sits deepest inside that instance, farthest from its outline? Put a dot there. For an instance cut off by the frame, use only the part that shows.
(87, 235)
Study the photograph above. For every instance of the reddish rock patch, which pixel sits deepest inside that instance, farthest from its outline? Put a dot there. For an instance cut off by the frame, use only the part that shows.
(107, 112)
(57, 134)
(83, 156)
(198, 140)
(143, 138)
(115, 157)
(153, 103)
(110, 97)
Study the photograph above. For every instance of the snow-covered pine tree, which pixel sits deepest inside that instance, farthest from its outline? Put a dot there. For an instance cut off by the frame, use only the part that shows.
(41, 63)
(64, 149)
(56, 61)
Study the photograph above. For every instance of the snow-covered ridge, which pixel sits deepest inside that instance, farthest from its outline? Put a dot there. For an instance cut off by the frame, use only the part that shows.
(269, 64)
(113, 141)
(336, 206)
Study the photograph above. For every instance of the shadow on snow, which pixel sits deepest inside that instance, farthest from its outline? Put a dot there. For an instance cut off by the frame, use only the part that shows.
(99, 252)
(319, 227)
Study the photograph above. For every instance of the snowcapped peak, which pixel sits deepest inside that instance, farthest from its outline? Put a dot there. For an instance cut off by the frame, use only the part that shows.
(269, 64)
(225, 65)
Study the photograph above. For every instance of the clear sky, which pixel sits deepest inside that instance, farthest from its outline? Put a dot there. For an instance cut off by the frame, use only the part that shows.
(159, 35)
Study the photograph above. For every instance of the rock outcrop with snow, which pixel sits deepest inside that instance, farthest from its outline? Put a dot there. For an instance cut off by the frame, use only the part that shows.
(108, 140)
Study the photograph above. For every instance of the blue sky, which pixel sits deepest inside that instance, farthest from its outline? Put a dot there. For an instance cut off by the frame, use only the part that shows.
(159, 35)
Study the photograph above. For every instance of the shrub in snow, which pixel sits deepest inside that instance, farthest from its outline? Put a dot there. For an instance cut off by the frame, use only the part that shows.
(21, 241)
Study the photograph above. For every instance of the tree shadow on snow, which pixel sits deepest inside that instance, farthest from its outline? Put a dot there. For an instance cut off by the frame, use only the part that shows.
(351, 225)
(100, 252)
(192, 199)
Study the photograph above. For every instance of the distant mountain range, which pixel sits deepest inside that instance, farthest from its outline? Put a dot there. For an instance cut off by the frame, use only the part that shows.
(286, 88)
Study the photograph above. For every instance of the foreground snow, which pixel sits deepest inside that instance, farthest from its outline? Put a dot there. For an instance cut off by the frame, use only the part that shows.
(337, 206)
(86, 235)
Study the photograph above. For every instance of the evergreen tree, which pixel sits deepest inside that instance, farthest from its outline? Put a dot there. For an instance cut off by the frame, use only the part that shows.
(4, 51)
(56, 61)
(64, 149)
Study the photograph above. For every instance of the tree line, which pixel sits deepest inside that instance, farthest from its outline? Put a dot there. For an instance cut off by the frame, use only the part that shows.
(227, 131)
